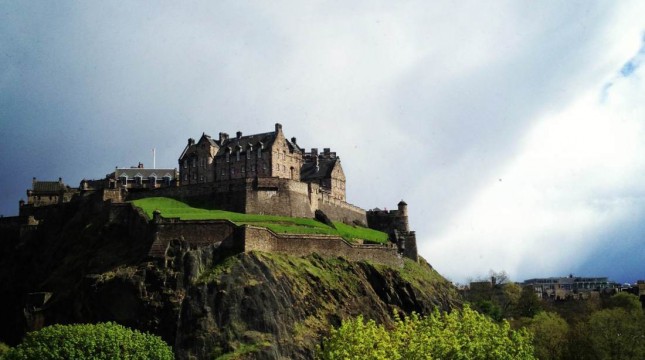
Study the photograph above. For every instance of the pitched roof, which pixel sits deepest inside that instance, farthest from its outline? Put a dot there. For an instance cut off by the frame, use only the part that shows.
(266, 139)
(48, 187)
(325, 167)
(144, 173)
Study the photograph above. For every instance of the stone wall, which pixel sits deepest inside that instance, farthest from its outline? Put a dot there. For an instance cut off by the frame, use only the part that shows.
(269, 195)
(261, 239)
(196, 233)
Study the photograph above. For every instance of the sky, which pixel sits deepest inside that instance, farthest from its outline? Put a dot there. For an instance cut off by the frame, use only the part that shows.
(514, 130)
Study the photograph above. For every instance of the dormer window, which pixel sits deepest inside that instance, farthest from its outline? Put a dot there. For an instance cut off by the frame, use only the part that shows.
(124, 179)
(138, 179)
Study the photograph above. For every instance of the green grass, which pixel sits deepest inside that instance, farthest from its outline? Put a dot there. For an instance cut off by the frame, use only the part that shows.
(171, 208)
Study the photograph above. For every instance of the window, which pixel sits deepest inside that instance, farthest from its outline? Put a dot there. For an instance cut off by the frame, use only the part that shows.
(237, 155)
(223, 172)
(228, 156)
(243, 170)
(248, 155)
(259, 152)
(185, 164)
(138, 179)
(166, 180)
(252, 167)
(194, 162)
(185, 177)
(201, 178)
(124, 180)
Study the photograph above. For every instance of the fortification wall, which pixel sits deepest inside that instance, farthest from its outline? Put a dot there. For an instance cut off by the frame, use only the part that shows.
(195, 233)
(338, 210)
(279, 197)
(184, 192)
(271, 196)
(261, 239)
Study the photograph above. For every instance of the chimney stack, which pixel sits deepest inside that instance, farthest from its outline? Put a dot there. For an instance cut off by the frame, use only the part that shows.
(222, 137)
(314, 152)
(293, 140)
(239, 134)
(278, 127)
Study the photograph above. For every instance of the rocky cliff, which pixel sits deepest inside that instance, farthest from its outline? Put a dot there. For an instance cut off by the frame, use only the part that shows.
(78, 266)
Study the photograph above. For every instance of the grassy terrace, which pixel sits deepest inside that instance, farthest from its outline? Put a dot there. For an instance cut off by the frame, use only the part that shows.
(278, 224)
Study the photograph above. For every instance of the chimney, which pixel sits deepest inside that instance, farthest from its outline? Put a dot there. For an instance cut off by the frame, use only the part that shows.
(222, 137)
(314, 152)
(327, 151)
(293, 140)
(278, 127)
(140, 166)
(33, 180)
(60, 180)
(239, 134)
(191, 141)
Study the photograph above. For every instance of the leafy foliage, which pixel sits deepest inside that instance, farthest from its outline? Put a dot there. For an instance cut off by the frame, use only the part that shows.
(464, 334)
(90, 341)
(278, 224)
(617, 334)
(550, 332)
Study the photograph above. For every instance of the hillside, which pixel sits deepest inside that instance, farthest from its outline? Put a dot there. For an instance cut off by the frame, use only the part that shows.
(204, 303)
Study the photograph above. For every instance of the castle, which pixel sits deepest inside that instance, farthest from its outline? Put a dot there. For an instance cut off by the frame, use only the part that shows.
(264, 173)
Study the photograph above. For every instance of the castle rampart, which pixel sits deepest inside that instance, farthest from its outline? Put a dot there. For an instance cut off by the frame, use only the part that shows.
(229, 237)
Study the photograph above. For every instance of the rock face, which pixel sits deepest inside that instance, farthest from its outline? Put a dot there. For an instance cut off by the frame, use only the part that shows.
(202, 302)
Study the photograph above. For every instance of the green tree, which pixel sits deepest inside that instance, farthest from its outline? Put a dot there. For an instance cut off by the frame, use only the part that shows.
(461, 334)
(528, 304)
(628, 302)
(357, 339)
(90, 341)
(617, 334)
(550, 335)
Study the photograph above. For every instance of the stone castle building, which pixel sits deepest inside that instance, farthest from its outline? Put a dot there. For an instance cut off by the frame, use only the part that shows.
(264, 173)
(266, 155)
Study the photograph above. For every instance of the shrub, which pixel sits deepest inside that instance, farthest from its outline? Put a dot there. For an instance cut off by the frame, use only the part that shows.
(90, 341)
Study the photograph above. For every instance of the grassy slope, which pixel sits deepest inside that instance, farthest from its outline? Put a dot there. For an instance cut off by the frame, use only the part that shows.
(278, 224)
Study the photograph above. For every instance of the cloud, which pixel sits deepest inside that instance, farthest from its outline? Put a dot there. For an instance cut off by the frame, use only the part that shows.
(433, 103)
(574, 188)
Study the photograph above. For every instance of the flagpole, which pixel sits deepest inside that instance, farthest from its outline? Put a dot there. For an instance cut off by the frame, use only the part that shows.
(154, 158)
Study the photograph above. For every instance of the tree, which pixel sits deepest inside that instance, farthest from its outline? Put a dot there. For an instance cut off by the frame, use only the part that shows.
(357, 339)
(628, 302)
(528, 304)
(461, 334)
(550, 332)
(90, 341)
(617, 334)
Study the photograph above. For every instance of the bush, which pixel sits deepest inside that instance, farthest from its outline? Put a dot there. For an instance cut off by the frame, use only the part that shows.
(90, 341)
(463, 334)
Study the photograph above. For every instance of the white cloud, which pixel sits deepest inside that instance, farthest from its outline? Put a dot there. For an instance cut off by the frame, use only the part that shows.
(578, 174)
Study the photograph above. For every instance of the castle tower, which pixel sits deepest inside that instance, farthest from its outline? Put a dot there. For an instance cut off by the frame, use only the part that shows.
(403, 216)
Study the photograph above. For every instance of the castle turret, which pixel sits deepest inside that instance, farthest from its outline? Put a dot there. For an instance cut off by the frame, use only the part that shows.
(403, 216)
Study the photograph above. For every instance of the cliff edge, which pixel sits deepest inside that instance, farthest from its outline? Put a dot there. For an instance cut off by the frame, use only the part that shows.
(78, 265)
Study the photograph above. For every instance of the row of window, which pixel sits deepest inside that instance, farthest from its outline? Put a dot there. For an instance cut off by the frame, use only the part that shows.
(123, 179)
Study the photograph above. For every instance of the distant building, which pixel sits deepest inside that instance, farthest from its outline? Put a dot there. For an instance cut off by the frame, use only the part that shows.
(139, 177)
(43, 193)
(570, 286)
